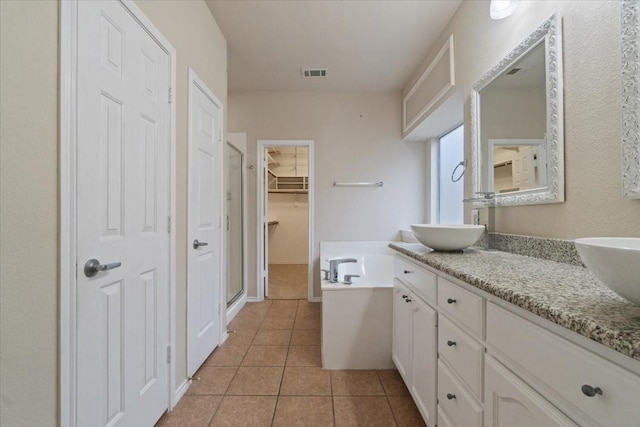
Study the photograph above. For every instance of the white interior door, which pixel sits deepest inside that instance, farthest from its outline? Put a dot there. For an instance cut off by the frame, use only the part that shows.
(205, 213)
(123, 205)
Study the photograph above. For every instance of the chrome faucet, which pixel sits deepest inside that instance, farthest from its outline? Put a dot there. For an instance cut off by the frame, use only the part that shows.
(489, 197)
(333, 267)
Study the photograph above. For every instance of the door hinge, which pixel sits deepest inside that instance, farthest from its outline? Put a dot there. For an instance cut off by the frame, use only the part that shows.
(170, 94)
(168, 354)
(219, 309)
(169, 224)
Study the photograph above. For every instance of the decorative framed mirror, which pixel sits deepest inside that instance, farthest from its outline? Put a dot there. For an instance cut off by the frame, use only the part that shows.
(631, 98)
(517, 134)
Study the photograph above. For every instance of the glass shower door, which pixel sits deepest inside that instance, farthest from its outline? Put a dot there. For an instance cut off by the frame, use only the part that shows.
(235, 267)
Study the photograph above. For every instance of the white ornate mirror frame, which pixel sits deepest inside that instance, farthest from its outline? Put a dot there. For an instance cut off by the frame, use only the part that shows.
(631, 98)
(550, 32)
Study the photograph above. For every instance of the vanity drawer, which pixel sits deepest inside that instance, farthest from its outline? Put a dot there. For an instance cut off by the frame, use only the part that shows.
(458, 405)
(565, 368)
(462, 353)
(462, 305)
(422, 281)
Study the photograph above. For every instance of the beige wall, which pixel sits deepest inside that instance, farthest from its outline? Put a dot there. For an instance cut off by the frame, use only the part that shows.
(29, 190)
(591, 32)
(29, 213)
(289, 240)
(357, 138)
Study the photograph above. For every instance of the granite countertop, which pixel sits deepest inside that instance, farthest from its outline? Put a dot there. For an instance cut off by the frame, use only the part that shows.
(567, 295)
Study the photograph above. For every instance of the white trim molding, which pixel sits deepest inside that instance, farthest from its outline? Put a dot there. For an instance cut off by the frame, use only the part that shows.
(631, 98)
(68, 203)
(442, 93)
(549, 33)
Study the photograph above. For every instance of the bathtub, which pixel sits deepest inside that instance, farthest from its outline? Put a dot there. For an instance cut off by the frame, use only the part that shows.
(357, 319)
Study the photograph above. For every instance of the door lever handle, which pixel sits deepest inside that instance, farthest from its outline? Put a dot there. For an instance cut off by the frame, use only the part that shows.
(93, 267)
(197, 244)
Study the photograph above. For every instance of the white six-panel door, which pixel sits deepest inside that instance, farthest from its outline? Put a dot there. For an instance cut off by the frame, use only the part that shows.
(205, 213)
(123, 207)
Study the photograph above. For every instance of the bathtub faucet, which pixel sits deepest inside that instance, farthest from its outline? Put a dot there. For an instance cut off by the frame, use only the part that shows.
(333, 267)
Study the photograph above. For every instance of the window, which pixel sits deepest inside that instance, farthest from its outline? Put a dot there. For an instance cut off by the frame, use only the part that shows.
(450, 209)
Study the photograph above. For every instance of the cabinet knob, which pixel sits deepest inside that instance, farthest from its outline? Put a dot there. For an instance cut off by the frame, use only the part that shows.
(451, 343)
(451, 300)
(587, 390)
(408, 272)
(451, 396)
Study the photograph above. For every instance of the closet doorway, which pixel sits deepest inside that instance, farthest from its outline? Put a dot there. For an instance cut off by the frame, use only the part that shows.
(285, 219)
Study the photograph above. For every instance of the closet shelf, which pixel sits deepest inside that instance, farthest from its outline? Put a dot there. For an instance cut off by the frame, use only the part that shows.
(270, 223)
(288, 191)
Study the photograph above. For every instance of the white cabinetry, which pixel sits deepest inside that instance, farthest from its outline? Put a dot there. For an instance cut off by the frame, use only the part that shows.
(525, 373)
(414, 348)
(401, 347)
(511, 402)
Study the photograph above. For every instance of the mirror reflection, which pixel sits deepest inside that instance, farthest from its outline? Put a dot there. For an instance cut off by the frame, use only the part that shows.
(513, 125)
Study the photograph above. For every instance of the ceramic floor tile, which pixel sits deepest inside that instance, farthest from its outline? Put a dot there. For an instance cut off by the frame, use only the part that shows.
(356, 383)
(256, 381)
(248, 322)
(272, 337)
(265, 355)
(283, 312)
(255, 309)
(306, 307)
(288, 281)
(227, 355)
(240, 337)
(213, 380)
(246, 411)
(303, 411)
(310, 321)
(306, 337)
(283, 304)
(362, 411)
(393, 383)
(405, 411)
(194, 411)
(306, 381)
(304, 356)
(277, 322)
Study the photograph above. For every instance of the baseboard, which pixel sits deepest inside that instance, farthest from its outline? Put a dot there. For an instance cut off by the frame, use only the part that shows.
(236, 307)
(254, 299)
(316, 299)
(180, 391)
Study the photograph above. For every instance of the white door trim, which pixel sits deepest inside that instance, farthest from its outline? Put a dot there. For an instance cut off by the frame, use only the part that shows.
(262, 145)
(67, 184)
(194, 80)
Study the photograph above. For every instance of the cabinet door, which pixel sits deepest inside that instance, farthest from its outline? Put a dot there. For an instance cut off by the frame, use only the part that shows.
(511, 402)
(424, 359)
(401, 329)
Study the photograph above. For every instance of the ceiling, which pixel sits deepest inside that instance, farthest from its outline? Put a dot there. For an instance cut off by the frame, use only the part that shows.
(365, 45)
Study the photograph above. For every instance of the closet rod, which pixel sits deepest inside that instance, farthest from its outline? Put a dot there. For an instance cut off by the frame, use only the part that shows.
(358, 184)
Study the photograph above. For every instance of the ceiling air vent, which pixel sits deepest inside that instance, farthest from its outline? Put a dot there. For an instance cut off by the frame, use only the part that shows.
(313, 73)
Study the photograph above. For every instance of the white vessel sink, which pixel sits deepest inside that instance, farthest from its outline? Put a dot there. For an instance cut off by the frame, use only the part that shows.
(615, 261)
(447, 237)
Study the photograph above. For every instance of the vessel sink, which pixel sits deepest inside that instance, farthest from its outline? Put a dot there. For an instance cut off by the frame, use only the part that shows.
(615, 261)
(448, 238)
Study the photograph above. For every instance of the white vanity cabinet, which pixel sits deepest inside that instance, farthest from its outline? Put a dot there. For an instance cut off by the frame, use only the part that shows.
(511, 402)
(496, 365)
(414, 348)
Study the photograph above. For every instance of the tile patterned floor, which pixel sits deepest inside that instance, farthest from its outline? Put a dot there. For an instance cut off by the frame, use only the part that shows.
(268, 373)
(288, 281)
